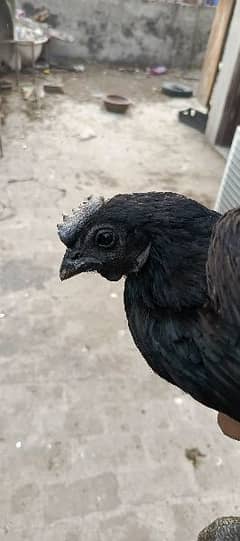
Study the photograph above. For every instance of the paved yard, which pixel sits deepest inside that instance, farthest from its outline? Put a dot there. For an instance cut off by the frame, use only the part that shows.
(93, 446)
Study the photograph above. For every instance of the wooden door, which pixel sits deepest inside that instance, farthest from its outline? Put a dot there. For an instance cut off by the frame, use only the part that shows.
(215, 48)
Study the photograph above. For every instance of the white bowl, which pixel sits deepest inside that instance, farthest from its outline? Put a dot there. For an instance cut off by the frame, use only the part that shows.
(30, 52)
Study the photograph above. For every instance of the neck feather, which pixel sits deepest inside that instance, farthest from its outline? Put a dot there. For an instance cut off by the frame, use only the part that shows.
(174, 276)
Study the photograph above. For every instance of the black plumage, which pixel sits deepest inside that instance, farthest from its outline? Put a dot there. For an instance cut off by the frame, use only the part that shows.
(183, 319)
(222, 529)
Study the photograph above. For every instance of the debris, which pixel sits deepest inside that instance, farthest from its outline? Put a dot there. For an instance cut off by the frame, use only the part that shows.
(157, 70)
(129, 69)
(39, 92)
(177, 90)
(5, 85)
(41, 16)
(194, 455)
(85, 349)
(18, 444)
(78, 68)
(98, 95)
(2, 316)
(20, 13)
(33, 93)
(42, 65)
(29, 30)
(46, 71)
(27, 91)
(53, 88)
(190, 77)
(86, 134)
(113, 295)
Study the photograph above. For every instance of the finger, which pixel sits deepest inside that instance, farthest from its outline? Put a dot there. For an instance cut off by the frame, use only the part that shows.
(228, 426)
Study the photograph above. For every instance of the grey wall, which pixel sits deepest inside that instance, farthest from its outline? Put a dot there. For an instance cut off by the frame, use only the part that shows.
(133, 31)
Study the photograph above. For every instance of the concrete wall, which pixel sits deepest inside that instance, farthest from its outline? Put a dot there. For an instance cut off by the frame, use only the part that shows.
(133, 31)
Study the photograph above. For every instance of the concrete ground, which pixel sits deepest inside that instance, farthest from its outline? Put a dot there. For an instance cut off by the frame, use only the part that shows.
(93, 446)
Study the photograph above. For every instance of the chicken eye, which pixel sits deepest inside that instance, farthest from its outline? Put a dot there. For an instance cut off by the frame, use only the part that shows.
(105, 239)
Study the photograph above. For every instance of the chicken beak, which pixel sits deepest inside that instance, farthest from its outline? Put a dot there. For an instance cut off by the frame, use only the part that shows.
(72, 264)
(66, 269)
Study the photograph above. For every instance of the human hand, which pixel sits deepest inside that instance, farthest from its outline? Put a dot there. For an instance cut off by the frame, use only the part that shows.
(228, 426)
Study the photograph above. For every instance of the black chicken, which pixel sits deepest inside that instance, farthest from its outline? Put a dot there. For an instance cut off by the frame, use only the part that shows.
(184, 320)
